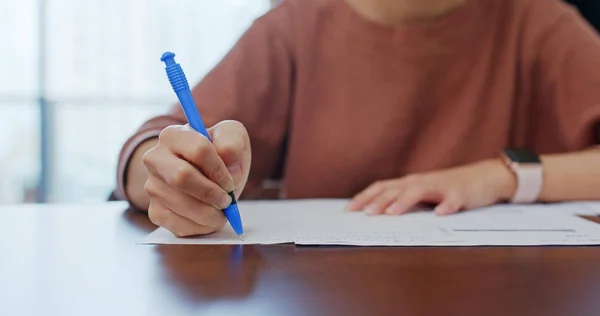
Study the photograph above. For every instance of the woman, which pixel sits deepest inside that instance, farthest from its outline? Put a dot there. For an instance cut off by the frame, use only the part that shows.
(389, 102)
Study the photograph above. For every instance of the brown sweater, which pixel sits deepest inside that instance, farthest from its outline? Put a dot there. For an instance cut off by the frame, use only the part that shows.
(343, 101)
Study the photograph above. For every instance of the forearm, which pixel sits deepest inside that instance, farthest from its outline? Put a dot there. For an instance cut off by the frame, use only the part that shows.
(137, 175)
(571, 177)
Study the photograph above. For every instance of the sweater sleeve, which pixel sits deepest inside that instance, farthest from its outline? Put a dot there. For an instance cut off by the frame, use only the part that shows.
(251, 84)
(567, 80)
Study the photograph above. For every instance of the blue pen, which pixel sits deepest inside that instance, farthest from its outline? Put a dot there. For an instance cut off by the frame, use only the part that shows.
(182, 89)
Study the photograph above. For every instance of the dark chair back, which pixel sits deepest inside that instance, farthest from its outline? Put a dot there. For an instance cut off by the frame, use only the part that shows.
(590, 10)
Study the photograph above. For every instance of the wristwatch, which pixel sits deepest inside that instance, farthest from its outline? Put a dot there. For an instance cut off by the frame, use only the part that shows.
(527, 167)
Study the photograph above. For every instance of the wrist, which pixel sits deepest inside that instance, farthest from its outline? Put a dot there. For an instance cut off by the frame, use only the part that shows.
(504, 180)
(528, 170)
(136, 176)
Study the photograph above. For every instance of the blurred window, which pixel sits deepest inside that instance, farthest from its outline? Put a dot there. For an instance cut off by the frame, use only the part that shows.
(97, 65)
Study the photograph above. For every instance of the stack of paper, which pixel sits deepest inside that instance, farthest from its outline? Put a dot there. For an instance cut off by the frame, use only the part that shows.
(325, 222)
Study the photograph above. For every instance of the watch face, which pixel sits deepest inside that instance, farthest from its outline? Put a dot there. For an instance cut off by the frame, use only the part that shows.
(522, 156)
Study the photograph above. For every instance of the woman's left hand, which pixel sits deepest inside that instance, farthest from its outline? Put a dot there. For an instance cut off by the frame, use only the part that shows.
(466, 187)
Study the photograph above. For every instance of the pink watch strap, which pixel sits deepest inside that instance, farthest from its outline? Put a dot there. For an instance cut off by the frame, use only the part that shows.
(529, 182)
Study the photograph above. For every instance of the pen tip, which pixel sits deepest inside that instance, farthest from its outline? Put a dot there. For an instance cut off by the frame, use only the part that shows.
(242, 237)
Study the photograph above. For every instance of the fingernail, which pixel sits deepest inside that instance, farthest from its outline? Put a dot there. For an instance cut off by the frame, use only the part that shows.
(227, 183)
(442, 212)
(224, 201)
(234, 168)
(229, 186)
(391, 210)
(439, 211)
(371, 209)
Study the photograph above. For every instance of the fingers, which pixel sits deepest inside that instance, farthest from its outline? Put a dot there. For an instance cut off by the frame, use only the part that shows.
(410, 198)
(451, 204)
(184, 205)
(449, 201)
(402, 196)
(199, 151)
(232, 144)
(181, 175)
(189, 176)
(175, 223)
(364, 198)
(383, 201)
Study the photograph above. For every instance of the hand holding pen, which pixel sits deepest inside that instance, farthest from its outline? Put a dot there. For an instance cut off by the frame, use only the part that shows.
(196, 173)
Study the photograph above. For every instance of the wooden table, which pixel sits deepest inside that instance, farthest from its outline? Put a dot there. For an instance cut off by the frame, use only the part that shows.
(83, 260)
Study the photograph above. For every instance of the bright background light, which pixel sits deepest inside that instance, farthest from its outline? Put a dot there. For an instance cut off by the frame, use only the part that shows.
(102, 77)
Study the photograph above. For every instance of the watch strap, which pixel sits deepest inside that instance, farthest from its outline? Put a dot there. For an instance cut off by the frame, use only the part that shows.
(529, 182)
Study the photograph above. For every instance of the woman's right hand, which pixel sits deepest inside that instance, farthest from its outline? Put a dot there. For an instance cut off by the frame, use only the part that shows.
(190, 177)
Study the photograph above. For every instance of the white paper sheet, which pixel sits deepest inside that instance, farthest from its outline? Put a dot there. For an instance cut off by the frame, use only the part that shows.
(325, 222)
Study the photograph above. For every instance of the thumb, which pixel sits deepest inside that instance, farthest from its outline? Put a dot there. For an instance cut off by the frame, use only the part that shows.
(451, 204)
(232, 143)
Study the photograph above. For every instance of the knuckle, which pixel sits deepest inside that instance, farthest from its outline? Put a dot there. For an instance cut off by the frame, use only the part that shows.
(201, 150)
(212, 171)
(210, 195)
(416, 190)
(378, 185)
(229, 147)
(168, 132)
(237, 136)
(217, 174)
(148, 157)
(413, 178)
(181, 176)
(237, 124)
(393, 193)
(234, 125)
(150, 188)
